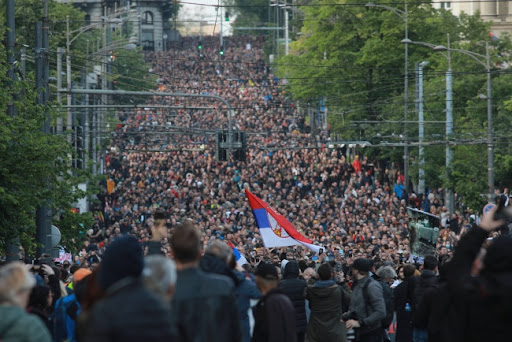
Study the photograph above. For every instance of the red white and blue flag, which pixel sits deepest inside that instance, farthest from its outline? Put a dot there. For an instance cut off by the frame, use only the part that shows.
(275, 229)
(240, 259)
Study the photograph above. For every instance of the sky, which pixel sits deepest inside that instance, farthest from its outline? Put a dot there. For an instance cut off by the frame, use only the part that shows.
(206, 13)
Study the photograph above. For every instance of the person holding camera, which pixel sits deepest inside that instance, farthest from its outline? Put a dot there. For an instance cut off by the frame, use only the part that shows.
(367, 307)
(483, 301)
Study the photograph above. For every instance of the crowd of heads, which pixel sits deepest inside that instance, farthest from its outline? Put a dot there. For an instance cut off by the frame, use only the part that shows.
(165, 159)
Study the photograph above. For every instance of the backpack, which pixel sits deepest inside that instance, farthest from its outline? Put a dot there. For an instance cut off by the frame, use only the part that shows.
(64, 318)
(388, 301)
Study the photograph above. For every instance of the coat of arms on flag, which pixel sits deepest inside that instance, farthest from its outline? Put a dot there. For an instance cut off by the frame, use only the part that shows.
(275, 229)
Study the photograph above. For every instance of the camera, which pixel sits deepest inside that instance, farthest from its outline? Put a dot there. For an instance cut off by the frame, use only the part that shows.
(348, 315)
(352, 333)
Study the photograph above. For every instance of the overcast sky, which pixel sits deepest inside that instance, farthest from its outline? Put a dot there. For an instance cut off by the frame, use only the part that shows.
(207, 13)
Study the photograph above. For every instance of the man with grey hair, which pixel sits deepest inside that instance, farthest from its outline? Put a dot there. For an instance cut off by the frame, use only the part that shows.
(387, 274)
(219, 249)
(159, 276)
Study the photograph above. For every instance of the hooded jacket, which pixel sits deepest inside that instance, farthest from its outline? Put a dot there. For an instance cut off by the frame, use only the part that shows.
(18, 326)
(294, 287)
(325, 320)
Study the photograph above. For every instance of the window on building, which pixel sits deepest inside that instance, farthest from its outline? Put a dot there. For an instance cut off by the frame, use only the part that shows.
(148, 40)
(147, 18)
(446, 5)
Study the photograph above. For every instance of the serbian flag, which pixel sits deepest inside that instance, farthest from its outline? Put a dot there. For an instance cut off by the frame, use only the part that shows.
(240, 259)
(275, 229)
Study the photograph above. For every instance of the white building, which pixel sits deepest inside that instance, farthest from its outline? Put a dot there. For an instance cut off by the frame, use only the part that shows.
(149, 19)
(499, 12)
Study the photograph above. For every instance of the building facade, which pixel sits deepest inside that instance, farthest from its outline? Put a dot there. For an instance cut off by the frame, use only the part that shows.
(499, 12)
(148, 20)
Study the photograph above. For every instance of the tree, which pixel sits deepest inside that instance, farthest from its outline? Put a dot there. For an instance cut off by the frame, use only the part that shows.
(33, 165)
(355, 59)
(248, 13)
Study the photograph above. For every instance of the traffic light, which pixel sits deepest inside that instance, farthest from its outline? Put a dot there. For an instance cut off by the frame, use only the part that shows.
(227, 16)
(240, 145)
(221, 146)
(200, 45)
(221, 51)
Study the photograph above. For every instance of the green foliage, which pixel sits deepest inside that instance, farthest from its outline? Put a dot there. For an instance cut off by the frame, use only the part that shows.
(73, 228)
(248, 12)
(354, 57)
(33, 165)
(131, 72)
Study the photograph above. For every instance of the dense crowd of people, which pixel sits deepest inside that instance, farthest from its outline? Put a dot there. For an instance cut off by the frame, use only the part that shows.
(156, 264)
(336, 199)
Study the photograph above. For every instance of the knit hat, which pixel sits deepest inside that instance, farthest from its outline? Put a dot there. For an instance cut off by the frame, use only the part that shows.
(499, 255)
(363, 265)
(81, 273)
(123, 258)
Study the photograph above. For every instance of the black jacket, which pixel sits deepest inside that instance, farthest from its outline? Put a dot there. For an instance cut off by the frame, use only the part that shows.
(294, 287)
(274, 319)
(486, 300)
(403, 294)
(129, 313)
(325, 325)
(204, 307)
(427, 280)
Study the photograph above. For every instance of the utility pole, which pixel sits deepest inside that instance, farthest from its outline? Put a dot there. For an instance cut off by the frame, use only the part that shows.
(421, 184)
(12, 246)
(60, 52)
(86, 117)
(449, 130)
(23, 63)
(69, 118)
(490, 132)
(221, 19)
(42, 211)
(286, 33)
(406, 100)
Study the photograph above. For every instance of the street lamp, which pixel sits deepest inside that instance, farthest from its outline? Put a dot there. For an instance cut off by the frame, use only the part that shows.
(484, 60)
(404, 16)
(421, 184)
(449, 114)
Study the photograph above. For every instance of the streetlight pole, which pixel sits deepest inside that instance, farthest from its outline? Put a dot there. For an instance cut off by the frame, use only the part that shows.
(405, 17)
(421, 183)
(449, 129)
(484, 60)
(490, 137)
(449, 201)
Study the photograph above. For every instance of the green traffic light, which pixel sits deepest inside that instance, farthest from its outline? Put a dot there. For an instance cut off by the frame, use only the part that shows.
(200, 47)
(221, 53)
